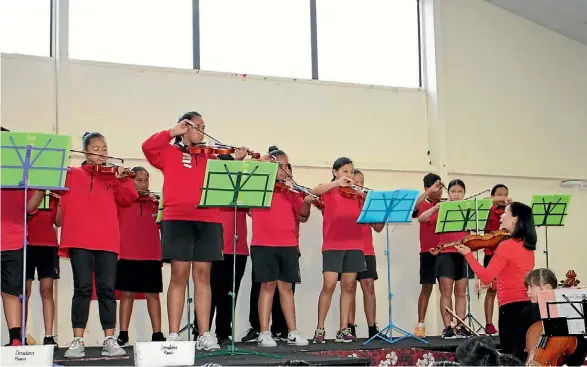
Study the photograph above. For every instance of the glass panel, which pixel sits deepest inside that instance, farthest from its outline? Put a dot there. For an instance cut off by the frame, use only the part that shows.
(25, 27)
(265, 37)
(142, 32)
(368, 42)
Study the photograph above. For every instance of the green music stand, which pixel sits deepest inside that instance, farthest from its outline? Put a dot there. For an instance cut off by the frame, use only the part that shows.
(459, 216)
(238, 184)
(549, 211)
(32, 161)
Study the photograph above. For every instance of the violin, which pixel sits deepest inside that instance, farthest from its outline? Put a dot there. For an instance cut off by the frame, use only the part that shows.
(547, 351)
(476, 241)
(109, 169)
(298, 191)
(354, 192)
(218, 149)
(148, 196)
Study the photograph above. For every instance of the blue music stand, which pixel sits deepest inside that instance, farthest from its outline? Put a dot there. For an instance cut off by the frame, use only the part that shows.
(389, 207)
(32, 161)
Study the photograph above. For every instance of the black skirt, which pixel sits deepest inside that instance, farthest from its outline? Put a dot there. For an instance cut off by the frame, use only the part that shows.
(141, 276)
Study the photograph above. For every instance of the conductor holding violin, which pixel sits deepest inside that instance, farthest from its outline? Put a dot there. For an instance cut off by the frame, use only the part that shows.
(191, 236)
(512, 261)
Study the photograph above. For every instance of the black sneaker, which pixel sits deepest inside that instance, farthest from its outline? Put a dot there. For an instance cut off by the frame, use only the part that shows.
(251, 336)
(158, 337)
(463, 333)
(122, 339)
(373, 330)
(224, 340)
(49, 340)
(353, 329)
(448, 333)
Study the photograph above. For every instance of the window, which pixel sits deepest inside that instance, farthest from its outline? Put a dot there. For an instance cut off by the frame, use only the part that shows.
(143, 32)
(25, 27)
(265, 37)
(369, 42)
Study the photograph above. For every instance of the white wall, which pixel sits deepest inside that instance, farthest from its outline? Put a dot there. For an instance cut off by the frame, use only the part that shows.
(505, 86)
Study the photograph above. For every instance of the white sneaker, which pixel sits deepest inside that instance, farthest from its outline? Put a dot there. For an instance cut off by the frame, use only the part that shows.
(110, 348)
(76, 349)
(266, 340)
(295, 338)
(173, 337)
(207, 342)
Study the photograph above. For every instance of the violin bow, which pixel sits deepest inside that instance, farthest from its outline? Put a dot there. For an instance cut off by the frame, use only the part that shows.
(121, 160)
(460, 321)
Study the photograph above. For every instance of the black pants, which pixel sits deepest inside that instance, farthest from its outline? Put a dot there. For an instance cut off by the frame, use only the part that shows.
(103, 265)
(221, 284)
(278, 324)
(514, 322)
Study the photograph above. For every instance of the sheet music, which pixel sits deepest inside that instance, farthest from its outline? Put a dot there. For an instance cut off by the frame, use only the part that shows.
(576, 326)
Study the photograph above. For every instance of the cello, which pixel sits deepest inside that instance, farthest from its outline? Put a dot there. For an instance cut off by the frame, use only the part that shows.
(544, 350)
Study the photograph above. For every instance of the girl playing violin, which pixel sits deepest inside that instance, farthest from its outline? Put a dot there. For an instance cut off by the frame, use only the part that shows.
(451, 269)
(42, 256)
(544, 279)
(499, 194)
(366, 278)
(191, 236)
(93, 245)
(139, 263)
(511, 262)
(342, 246)
(274, 253)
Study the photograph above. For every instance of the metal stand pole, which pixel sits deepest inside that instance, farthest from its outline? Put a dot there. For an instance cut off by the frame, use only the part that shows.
(386, 333)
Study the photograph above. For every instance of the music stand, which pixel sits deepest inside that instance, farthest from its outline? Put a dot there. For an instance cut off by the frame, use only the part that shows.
(32, 161)
(389, 207)
(559, 326)
(549, 211)
(237, 184)
(459, 216)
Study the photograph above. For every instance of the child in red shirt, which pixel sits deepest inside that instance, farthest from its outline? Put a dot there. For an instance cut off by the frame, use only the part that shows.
(93, 245)
(42, 256)
(451, 269)
(11, 244)
(342, 248)
(366, 278)
(428, 239)
(512, 261)
(499, 194)
(139, 262)
(275, 256)
(191, 236)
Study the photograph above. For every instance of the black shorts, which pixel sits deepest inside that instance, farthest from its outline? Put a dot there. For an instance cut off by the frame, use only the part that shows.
(12, 262)
(44, 260)
(371, 272)
(427, 268)
(185, 240)
(275, 263)
(486, 260)
(452, 265)
(141, 276)
(343, 261)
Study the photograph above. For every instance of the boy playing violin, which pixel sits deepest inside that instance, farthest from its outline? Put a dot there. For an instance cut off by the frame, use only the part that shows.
(428, 239)
(274, 253)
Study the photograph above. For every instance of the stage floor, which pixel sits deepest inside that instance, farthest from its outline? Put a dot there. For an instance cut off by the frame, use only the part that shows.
(329, 354)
